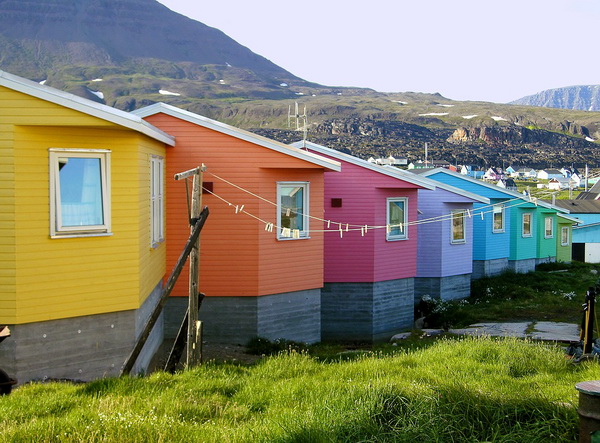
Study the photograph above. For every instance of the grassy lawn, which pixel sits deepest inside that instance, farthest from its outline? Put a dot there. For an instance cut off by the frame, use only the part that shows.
(459, 389)
(469, 389)
(554, 292)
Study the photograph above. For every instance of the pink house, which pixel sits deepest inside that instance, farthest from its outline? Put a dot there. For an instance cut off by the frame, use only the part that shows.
(370, 248)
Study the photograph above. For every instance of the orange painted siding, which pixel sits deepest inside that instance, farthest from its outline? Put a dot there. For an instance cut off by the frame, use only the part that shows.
(237, 256)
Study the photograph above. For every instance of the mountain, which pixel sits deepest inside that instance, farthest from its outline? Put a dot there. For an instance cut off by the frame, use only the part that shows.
(584, 98)
(132, 53)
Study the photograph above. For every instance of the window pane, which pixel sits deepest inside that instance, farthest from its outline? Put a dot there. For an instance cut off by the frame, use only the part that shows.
(292, 207)
(80, 191)
(396, 218)
(548, 222)
(498, 218)
(526, 224)
(458, 226)
(564, 236)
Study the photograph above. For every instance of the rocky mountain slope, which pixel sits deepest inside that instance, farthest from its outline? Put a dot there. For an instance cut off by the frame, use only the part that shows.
(584, 98)
(131, 53)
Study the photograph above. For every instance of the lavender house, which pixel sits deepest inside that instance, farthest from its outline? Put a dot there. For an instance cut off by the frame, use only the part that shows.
(445, 242)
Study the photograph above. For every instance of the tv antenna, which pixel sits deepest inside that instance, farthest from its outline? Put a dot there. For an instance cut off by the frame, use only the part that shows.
(301, 120)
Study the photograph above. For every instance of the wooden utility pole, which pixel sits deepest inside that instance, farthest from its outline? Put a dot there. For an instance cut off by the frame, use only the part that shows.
(194, 327)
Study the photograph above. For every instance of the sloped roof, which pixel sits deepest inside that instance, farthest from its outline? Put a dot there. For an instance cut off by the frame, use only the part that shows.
(579, 206)
(510, 193)
(84, 105)
(224, 128)
(391, 171)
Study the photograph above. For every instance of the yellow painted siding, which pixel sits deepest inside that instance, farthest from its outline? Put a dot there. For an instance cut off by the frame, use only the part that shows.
(7, 223)
(68, 277)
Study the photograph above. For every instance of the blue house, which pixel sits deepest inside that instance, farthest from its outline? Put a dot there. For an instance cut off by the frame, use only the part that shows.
(512, 232)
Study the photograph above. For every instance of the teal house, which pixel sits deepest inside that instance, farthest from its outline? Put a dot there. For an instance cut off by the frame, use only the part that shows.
(512, 232)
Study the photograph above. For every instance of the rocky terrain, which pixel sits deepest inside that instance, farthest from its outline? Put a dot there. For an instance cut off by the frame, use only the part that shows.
(132, 53)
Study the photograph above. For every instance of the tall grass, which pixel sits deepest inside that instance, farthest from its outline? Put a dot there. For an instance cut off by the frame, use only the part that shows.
(472, 389)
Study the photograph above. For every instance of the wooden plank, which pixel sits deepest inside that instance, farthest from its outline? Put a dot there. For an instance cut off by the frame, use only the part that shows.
(128, 365)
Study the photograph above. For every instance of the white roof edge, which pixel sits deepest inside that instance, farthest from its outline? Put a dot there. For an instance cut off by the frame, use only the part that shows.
(570, 218)
(84, 105)
(494, 187)
(238, 133)
(462, 192)
(392, 172)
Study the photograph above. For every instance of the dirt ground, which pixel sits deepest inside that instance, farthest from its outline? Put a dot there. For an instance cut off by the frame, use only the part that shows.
(217, 352)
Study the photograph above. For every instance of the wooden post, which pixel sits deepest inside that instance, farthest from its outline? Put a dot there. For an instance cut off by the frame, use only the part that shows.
(193, 348)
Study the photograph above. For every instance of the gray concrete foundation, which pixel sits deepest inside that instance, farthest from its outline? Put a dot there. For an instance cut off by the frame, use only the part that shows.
(452, 287)
(488, 268)
(291, 316)
(366, 311)
(81, 348)
(522, 266)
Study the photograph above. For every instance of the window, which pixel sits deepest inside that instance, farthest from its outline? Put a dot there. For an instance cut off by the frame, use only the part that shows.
(548, 227)
(526, 232)
(498, 218)
(79, 192)
(396, 219)
(564, 236)
(459, 228)
(292, 210)
(157, 217)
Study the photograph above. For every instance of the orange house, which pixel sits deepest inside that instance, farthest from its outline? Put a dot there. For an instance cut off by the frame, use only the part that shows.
(261, 253)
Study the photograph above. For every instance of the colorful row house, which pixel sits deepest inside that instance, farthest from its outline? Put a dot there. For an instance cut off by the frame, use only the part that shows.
(261, 254)
(445, 245)
(81, 233)
(513, 232)
(370, 248)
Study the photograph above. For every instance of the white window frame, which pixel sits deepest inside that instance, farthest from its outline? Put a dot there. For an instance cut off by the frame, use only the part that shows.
(498, 209)
(403, 230)
(458, 214)
(57, 230)
(157, 212)
(530, 233)
(564, 230)
(284, 233)
(546, 234)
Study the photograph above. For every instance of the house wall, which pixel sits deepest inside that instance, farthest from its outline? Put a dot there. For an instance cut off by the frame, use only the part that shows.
(353, 257)
(546, 250)
(238, 257)
(523, 248)
(70, 277)
(564, 252)
(486, 244)
(437, 255)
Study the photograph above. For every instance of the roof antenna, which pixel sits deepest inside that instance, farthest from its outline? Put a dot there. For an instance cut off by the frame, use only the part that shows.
(299, 118)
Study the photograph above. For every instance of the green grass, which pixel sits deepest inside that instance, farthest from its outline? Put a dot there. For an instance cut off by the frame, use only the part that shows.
(554, 292)
(470, 389)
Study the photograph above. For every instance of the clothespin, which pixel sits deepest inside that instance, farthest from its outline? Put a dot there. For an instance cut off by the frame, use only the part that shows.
(237, 209)
(346, 227)
(328, 223)
(481, 215)
(366, 228)
(242, 208)
(296, 233)
(388, 229)
(362, 231)
(468, 213)
(287, 212)
(269, 227)
(400, 226)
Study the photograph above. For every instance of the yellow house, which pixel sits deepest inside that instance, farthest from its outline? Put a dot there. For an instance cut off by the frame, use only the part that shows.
(82, 250)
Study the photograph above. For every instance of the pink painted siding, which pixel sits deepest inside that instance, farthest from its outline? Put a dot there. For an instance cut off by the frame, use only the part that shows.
(370, 258)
